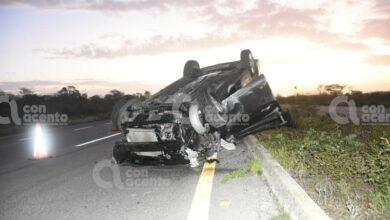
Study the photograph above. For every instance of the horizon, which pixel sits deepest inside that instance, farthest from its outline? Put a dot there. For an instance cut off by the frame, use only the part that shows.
(53, 90)
(134, 46)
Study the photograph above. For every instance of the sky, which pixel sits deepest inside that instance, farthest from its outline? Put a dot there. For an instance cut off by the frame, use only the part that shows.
(138, 45)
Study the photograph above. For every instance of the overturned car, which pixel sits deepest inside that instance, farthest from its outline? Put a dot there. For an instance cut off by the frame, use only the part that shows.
(207, 109)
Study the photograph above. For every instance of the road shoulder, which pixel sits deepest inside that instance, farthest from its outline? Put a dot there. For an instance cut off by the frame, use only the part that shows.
(290, 195)
(247, 197)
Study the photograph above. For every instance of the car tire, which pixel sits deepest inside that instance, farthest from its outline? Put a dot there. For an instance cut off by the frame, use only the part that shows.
(291, 123)
(191, 69)
(120, 108)
(120, 154)
(248, 62)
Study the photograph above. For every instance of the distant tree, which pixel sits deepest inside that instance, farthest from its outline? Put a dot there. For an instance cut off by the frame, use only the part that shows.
(25, 91)
(356, 92)
(63, 91)
(147, 94)
(348, 88)
(296, 90)
(73, 91)
(114, 95)
(320, 89)
(335, 89)
(69, 91)
(95, 98)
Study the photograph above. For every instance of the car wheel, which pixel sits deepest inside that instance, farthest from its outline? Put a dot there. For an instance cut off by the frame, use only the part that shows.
(119, 111)
(119, 154)
(191, 69)
(248, 62)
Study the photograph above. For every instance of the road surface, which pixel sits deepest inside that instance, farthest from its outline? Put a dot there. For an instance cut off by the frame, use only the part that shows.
(79, 182)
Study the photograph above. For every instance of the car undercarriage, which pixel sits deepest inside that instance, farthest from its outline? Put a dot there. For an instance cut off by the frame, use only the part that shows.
(206, 110)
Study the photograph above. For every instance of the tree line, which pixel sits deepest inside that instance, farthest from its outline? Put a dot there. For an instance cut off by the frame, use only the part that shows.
(326, 93)
(69, 100)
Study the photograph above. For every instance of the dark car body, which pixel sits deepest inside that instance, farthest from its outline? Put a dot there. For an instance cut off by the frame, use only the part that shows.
(194, 116)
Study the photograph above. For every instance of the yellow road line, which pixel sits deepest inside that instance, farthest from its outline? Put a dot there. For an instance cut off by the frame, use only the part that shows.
(201, 201)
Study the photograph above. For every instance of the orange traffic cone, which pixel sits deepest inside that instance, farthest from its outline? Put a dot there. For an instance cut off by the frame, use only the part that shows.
(114, 127)
(40, 148)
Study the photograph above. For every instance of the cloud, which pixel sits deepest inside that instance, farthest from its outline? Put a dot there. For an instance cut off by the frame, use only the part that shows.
(93, 87)
(378, 60)
(262, 20)
(105, 5)
(382, 7)
(377, 28)
(156, 45)
(274, 20)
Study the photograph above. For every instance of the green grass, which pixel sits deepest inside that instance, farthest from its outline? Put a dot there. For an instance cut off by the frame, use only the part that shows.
(233, 175)
(281, 216)
(253, 167)
(345, 168)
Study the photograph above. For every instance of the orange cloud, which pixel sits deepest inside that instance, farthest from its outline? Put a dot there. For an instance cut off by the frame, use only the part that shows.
(377, 28)
(378, 60)
(264, 20)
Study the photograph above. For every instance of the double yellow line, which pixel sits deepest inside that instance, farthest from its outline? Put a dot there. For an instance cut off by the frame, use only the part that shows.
(201, 201)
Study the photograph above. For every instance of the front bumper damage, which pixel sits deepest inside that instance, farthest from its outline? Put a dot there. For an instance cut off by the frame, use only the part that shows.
(207, 109)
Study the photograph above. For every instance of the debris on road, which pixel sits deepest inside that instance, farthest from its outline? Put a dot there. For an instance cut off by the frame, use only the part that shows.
(225, 202)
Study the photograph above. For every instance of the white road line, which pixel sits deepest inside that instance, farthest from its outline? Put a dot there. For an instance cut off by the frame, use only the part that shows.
(108, 123)
(201, 202)
(96, 140)
(78, 129)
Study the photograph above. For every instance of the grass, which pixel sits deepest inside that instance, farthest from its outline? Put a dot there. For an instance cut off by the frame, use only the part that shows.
(281, 216)
(253, 167)
(346, 169)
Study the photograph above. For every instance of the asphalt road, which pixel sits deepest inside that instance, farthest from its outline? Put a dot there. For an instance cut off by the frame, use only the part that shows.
(78, 181)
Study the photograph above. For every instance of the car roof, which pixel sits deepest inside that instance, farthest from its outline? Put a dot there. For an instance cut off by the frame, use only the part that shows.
(221, 66)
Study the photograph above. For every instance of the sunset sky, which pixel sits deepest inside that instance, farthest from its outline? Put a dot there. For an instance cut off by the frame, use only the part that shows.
(143, 44)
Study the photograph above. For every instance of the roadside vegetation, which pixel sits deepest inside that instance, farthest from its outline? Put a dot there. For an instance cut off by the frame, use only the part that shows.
(253, 167)
(327, 92)
(344, 168)
(281, 216)
(76, 105)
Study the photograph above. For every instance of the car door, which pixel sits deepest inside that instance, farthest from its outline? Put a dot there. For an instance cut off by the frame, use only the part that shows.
(253, 108)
